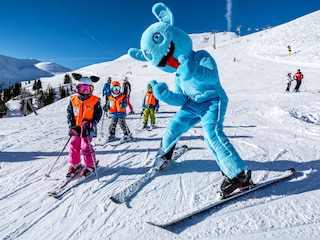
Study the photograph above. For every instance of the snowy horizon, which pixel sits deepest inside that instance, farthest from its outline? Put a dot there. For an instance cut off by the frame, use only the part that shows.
(272, 130)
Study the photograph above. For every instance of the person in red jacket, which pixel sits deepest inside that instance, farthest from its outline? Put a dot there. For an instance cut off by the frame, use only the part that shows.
(298, 76)
(126, 90)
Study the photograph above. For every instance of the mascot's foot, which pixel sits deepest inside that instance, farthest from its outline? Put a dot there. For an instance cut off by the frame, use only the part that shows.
(159, 163)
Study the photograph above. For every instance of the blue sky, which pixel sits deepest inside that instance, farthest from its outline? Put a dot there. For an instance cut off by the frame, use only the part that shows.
(75, 34)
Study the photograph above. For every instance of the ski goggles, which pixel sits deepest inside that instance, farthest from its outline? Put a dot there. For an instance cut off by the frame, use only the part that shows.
(116, 88)
(86, 89)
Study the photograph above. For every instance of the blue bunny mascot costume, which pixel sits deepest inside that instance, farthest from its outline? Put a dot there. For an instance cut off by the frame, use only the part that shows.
(197, 90)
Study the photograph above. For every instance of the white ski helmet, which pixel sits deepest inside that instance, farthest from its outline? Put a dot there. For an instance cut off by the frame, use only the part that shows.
(84, 85)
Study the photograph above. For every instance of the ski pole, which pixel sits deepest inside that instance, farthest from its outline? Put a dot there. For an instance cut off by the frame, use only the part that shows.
(92, 157)
(102, 134)
(48, 174)
(304, 86)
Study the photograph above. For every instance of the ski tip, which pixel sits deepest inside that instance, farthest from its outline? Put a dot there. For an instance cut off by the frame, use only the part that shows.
(291, 170)
(53, 194)
(151, 223)
(158, 225)
(184, 146)
(113, 199)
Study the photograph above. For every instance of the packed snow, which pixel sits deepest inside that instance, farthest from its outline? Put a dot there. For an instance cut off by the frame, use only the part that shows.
(272, 130)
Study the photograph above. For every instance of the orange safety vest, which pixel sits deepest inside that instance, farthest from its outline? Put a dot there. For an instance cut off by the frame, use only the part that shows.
(83, 109)
(114, 103)
(150, 99)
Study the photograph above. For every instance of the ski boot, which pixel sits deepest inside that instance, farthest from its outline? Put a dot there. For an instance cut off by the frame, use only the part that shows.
(242, 181)
(87, 171)
(164, 160)
(126, 138)
(73, 169)
(111, 138)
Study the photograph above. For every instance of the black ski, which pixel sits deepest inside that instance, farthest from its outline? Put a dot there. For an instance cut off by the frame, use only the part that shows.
(167, 220)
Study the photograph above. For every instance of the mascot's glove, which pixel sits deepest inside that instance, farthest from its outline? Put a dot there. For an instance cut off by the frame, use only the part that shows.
(162, 92)
(73, 132)
(187, 67)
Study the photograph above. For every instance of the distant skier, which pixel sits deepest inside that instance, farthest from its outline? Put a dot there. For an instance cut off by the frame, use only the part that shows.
(289, 50)
(289, 80)
(150, 106)
(197, 90)
(84, 112)
(116, 104)
(106, 91)
(298, 76)
(126, 89)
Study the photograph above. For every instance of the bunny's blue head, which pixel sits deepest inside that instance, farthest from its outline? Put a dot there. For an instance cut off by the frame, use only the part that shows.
(161, 43)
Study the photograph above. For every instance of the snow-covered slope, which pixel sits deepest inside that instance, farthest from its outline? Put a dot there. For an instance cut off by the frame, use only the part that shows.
(271, 129)
(14, 70)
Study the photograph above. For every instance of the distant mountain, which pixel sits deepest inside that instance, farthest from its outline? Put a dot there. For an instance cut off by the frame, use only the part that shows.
(14, 70)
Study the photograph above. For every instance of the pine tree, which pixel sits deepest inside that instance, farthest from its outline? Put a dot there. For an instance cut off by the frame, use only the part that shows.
(3, 108)
(47, 97)
(67, 79)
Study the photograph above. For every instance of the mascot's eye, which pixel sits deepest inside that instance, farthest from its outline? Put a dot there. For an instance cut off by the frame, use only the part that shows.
(157, 38)
(148, 55)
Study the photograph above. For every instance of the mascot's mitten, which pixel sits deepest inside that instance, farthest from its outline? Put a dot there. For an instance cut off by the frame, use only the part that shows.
(187, 67)
(162, 92)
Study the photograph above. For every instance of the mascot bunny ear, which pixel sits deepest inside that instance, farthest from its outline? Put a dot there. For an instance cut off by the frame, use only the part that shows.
(163, 13)
(136, 54)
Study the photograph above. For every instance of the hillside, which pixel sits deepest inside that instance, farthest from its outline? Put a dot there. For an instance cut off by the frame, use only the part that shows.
(271, 129)
(14, 70)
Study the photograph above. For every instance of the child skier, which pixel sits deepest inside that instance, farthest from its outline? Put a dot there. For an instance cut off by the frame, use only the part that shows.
(117, 103)
(83, 113)
(289, 80)
(150, 106)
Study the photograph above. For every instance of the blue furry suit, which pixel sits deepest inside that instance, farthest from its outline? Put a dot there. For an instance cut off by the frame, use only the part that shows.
(197, 89)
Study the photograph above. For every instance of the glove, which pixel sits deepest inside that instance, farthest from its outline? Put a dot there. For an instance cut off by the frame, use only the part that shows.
(73, 132)
(105, 108)
(159, 89)
(142, 112)
(157, 109)
(86, 124)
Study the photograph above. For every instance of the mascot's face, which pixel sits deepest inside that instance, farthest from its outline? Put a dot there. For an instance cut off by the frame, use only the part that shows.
(162, 43)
